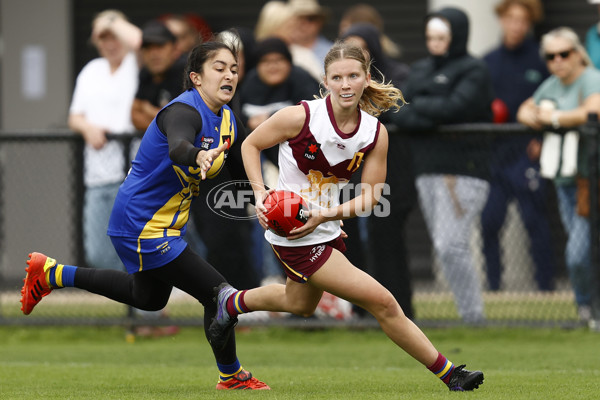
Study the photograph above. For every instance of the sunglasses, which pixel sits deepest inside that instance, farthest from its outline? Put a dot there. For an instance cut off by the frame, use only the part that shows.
(562, 54)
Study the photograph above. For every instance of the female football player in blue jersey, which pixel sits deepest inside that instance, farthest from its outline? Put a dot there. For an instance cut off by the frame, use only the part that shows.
(188, 141)
(321, 143)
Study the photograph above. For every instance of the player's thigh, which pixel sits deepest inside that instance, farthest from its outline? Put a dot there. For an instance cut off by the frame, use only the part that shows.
(339, 277)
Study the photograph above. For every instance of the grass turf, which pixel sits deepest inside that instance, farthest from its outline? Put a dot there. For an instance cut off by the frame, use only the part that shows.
(97, 363)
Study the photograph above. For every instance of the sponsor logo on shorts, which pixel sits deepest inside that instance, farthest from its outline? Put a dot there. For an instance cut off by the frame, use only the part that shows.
(316, 252)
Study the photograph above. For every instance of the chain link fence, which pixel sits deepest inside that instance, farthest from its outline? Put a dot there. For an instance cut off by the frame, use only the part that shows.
(41, 196)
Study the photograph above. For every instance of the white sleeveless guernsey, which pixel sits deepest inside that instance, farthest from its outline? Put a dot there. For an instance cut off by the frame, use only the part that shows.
(318, 162)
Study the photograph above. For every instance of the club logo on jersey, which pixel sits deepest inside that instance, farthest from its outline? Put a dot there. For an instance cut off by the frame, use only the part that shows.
(227, 138)
(206, 142)
(311, 151)
(322, 188)
(340, 146)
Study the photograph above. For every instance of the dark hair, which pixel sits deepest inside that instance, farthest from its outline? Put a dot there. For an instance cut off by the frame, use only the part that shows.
(200, 54)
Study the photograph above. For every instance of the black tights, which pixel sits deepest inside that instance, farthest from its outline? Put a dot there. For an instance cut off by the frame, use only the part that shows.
(150, 290)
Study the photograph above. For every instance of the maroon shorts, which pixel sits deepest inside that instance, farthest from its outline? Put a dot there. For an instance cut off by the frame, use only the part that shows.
(301, 262)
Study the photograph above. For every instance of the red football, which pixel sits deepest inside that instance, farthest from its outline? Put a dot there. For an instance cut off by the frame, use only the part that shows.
(285, 210)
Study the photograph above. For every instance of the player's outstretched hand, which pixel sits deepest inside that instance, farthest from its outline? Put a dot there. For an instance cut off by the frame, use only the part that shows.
(205, 158)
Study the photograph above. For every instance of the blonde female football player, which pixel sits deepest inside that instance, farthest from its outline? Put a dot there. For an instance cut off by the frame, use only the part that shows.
(321, 143)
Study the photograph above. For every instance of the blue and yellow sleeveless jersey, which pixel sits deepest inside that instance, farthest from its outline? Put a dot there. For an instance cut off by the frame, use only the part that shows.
(154, 200)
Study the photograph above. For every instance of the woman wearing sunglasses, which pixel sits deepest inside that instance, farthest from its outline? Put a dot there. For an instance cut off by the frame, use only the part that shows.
(563, 101)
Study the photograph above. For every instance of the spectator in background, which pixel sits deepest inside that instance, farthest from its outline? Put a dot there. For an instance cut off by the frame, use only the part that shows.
(516, 70)
(273, 20)
(450, 86)
(388, 260)
(563, 101)
(366, 13)
(190, 30)
(592, 39)
(275, 83)
(310, 18)
(277, 20)
(161, 76)
(102, 100)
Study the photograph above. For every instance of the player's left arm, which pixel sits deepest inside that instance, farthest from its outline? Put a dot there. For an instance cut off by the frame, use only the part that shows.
(372, 181)
(180, 123)
(374, 174)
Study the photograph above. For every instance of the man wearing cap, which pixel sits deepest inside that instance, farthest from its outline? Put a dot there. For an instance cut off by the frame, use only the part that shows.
(310, 19)
(161, 76)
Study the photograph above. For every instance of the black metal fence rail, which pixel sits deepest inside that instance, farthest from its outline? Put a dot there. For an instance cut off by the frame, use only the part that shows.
(41, 196)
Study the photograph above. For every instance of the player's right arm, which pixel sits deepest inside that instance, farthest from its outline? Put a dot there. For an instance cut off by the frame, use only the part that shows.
(285, 124)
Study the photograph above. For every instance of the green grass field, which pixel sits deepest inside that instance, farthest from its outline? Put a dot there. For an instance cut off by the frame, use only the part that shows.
(97, 363)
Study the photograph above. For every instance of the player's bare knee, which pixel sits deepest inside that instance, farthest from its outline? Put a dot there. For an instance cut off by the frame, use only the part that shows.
(386, 306)
(303, 310)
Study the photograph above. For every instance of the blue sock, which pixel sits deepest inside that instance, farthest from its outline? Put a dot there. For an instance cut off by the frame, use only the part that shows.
(68, 275)
(61, 276)
(227, 371)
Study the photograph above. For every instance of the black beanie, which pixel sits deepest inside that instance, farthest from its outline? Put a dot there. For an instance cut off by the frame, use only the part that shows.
(272, 45)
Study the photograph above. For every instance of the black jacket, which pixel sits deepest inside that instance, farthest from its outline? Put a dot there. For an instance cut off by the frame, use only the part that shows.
(450, 89)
